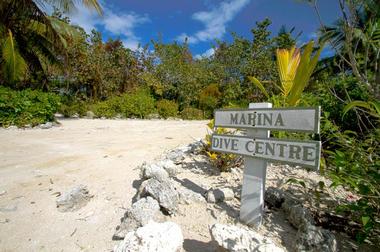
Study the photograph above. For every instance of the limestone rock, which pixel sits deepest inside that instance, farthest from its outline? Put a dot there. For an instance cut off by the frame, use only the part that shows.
(90, 115)
(157, 237)
(47, 125)
(137, 216)
(58, 115)
(74, 199)
(153, 116)
(219, 195)
(314, 239)
(233, 238)
(297, 215)
(274, 197)
(153, 171)
(197, 146)
(163, 191)
(169, 166)
(187, 196)
(177, 155)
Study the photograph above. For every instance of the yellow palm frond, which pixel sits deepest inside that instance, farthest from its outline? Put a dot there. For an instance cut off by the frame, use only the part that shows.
(287, 63)
(304, 72)
(295, 70)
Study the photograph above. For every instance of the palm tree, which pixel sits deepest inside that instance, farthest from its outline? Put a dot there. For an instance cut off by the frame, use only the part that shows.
(30, 39)
(356, 39)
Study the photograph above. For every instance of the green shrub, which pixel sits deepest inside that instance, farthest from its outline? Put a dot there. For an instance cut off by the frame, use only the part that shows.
(222, 161)
(192, 114)
(72, 106)
(138, 104)
(354, 163)
(209, 99)
(26, 107)
(166, 108)
(347, 89)
(109, 108)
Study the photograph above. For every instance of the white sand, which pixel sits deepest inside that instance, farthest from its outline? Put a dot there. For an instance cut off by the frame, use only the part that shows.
(102, 154)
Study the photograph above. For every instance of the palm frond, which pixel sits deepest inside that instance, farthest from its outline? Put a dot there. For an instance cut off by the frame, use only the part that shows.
(43, 48)
(287, 63)
(64, 29)
(373, 108)
(14, 66)
(259, 85)
(304, 71)
(69, 5)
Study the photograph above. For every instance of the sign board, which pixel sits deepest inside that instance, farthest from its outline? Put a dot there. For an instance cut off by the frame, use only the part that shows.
(286, 119)
(305, 153)
(257, 147)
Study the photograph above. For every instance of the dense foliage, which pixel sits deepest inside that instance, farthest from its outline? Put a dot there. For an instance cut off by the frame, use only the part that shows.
(138, 104)
(166, 108)
(26, 107)
(88, 74)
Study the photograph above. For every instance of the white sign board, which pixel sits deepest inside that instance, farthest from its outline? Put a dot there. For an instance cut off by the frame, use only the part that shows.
(257, 147)
(286, 119)
(304, 153)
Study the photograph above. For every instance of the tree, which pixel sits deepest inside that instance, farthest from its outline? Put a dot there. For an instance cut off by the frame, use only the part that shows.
(100, 70)
(234, 62)
(284, 39)
(176, 75)
(30, 39)
(356, 39)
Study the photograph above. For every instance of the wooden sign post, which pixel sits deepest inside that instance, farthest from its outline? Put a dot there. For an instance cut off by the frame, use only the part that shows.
(257, 147)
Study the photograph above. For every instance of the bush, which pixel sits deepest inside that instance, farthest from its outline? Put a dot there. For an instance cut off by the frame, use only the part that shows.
(26, 107)
(209, 99)
(222, 161)
(166, 108)
(109, 108)
(192, 114)
(138, 104)
(347, 89)
(354, 163)
(71, 106)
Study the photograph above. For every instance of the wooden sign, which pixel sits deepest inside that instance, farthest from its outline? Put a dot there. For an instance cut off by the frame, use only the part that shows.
(287, 119)
(258, 148)
(305, 153)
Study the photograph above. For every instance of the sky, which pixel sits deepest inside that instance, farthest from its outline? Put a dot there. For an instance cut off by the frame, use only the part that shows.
(137, 22)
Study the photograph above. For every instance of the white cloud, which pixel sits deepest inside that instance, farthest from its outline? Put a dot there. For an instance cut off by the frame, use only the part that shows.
(131, 43)
(206, 54)
(85, 18)
(215, 21)
(122, 25)
(190, 39)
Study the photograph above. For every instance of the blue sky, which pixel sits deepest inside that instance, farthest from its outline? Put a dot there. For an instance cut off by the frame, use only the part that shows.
(200, 21)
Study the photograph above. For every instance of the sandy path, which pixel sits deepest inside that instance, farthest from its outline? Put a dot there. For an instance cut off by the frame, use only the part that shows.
(102, 154)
